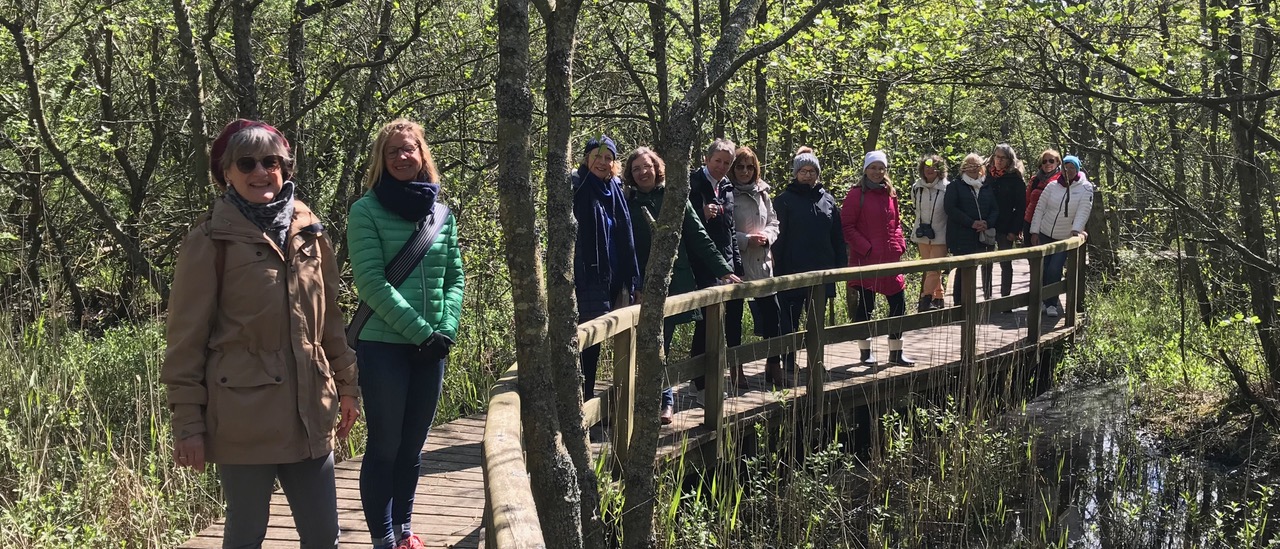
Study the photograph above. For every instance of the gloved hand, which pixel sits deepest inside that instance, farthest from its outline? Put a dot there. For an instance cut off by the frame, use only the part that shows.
(435, 347)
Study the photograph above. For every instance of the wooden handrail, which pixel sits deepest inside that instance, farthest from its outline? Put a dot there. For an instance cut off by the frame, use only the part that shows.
(510, 516)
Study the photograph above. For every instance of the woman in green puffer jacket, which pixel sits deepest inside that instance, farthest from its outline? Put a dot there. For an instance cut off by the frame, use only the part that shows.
(402, 349)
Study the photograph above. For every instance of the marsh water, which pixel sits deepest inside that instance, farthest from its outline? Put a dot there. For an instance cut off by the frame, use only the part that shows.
(1107, 484)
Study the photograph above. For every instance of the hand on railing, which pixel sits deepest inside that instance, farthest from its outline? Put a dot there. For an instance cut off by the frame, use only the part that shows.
(1080, 233)
(730, 279)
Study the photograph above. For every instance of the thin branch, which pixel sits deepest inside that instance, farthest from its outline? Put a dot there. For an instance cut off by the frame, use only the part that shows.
(721, 79)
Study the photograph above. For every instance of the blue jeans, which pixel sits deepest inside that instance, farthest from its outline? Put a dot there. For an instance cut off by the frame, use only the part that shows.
(668, 331)
(1053, 267)
(400, 396)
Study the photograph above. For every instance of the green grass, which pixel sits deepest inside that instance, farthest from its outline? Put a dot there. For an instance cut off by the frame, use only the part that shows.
(85, 442)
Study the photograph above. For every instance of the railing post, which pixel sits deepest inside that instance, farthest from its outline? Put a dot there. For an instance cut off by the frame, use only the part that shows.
(814, 359)
(716, 359)
(969, 311)
(1074, 262)
(1035, 297)
(624, 392)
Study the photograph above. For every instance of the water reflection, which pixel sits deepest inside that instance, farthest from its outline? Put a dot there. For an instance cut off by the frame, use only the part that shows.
(1103, 484)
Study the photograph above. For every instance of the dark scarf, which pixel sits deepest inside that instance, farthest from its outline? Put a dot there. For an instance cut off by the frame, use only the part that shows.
(605, 231)
(274, 218)
(411, 200)
(1043, 177)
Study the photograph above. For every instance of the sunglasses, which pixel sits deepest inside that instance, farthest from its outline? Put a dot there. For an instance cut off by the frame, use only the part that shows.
(269, 163)
(394, 152)
(1048, 161)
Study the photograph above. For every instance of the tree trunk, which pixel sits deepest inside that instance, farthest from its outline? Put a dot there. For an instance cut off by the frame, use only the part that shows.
(562, 330)
(553, 478)
(762, 99)
(198, 165)
(353, 142)
(246, 69)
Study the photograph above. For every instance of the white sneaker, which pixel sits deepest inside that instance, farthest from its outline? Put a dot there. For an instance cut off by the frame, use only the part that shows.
(1051, 311)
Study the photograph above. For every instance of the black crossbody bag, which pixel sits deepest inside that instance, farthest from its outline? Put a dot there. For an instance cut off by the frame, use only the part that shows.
(397, 271)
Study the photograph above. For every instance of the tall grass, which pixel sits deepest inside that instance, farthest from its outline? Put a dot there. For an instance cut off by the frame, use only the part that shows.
(85, 441)
(962, 474)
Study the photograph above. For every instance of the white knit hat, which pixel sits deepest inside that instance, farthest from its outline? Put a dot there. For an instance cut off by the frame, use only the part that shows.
(875, 156)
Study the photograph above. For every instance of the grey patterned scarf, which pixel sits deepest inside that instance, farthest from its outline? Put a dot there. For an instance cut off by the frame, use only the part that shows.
(274, 218)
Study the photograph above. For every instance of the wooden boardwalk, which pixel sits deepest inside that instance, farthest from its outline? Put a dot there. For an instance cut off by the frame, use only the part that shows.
(447, 511)
(449, 507)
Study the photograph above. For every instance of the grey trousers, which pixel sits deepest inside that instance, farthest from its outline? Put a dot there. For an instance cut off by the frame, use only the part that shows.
(308, 485)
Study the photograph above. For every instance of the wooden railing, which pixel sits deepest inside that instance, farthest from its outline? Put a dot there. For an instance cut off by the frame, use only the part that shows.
(510, 517)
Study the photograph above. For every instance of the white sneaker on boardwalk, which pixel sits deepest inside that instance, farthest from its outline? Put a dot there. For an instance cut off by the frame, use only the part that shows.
(1051, 311)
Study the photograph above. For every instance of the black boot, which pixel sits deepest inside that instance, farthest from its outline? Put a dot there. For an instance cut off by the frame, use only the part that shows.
(925, 304)
(897, 359)
(868, 358)
(937, 303)
(773, 373)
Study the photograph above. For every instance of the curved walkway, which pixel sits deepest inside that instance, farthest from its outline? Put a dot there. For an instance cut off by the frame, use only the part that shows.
(450, 506)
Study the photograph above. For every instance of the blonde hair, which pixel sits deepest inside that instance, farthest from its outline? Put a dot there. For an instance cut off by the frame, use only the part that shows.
(1052, 153)
(378, 158)
(977, 159)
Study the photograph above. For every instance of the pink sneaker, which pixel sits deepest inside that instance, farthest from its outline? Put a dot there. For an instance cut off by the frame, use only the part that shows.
(411, 542)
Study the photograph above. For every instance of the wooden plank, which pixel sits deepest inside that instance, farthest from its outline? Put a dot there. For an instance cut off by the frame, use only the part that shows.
(815, 327)
(716, 360)
(624, 386)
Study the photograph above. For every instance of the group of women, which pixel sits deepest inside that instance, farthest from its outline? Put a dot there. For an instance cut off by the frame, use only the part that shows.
(259, 366)
(735, 229)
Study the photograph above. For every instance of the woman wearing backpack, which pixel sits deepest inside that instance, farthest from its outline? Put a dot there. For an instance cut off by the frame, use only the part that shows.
(256, 365)
(403, 346)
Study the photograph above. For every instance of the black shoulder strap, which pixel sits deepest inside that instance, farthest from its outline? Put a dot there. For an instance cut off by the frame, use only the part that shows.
(405, 261)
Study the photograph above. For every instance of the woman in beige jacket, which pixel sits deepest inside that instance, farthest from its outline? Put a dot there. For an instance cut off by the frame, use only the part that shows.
(257, 365)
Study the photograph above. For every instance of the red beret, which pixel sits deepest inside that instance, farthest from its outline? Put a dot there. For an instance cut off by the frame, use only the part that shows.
(220, 144)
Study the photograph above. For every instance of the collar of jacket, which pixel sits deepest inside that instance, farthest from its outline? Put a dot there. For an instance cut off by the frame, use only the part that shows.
(936, 183)
(227, 223)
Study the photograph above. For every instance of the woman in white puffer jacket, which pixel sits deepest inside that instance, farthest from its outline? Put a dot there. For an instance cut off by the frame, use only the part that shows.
(1061, 213)
(930, 229)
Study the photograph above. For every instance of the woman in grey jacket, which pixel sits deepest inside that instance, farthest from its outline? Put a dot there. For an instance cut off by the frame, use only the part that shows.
(757, 229)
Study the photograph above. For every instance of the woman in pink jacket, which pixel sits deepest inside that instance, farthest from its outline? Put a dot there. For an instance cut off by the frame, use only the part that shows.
(873, 231)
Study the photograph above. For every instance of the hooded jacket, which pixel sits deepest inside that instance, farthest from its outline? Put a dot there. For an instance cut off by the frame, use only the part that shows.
(931, 208)
(872, 228)
(256, 355)
(753, 214)
(1063, 209)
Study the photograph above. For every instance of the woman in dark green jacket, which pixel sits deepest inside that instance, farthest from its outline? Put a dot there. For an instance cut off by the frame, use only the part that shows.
(401, 351)
(646, 176)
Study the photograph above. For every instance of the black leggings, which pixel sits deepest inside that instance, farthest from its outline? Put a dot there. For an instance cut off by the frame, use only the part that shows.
(867, 305)
(732, 333)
